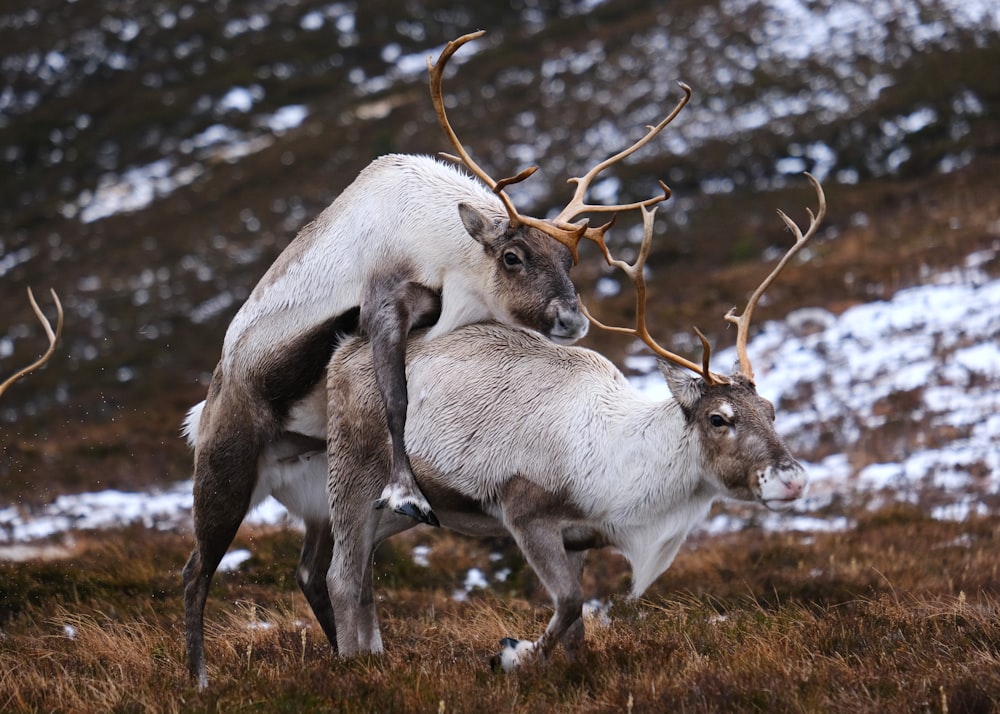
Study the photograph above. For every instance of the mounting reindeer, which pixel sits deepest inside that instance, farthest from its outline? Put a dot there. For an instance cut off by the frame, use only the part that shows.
(52, 335)
(511, 434)
(410, 243)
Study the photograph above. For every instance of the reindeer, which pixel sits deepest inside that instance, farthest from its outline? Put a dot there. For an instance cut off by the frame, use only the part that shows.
(52, 335)
(411, 243)
(550, 444)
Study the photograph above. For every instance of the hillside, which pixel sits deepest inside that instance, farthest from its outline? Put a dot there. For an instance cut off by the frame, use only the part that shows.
(159, 158)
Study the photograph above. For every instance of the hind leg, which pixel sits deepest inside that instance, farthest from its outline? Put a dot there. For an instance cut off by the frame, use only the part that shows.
(392, 307)
(317, 550)
(357, 631)
(224, 477)
(358, 457)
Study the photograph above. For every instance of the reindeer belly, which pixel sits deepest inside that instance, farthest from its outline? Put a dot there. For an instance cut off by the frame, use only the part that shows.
(297, 481)
(456, 510)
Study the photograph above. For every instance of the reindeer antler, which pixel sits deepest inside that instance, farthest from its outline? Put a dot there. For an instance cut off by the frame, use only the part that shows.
(53, 338)
(634, 272)
(742, 321)
(562, 227)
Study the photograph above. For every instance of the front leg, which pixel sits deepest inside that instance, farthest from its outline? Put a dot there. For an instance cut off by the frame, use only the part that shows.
(560, 573)
(537, 518)
(393, 306)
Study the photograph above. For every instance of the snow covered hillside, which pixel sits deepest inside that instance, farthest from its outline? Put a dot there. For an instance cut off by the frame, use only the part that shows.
(930, 355)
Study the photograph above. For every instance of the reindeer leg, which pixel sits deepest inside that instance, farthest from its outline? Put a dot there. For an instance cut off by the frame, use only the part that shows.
(369, 632)
(392, 307)
(357, 528)
(542, 547)
(345, 578)
(572, 639)
(528, 514)
(317, 549)
(224, 478)
(358, 457)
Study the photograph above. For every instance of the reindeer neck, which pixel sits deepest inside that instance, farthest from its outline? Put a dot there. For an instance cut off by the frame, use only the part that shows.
(660, 492)
(656, 462)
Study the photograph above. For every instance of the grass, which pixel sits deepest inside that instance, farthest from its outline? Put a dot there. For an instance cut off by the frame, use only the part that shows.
(899, 614)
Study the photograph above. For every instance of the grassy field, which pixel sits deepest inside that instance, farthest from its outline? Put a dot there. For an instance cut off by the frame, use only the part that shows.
(898, 614)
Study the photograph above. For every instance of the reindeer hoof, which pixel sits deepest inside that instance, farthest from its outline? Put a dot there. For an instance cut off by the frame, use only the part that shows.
(428, 517)
(407, 502)
(513, 654)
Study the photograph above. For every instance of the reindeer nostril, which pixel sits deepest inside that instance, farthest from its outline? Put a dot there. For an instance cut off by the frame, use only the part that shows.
(569, 324)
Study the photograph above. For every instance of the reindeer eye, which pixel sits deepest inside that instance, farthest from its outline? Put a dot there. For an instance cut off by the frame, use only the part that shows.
(511, 259)
(717, 420)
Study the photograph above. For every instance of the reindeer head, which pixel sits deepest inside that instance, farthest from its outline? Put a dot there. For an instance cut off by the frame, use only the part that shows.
(740, 446)
(529, 281)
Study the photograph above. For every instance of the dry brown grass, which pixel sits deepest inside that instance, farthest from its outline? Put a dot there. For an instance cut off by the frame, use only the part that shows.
(900, 613)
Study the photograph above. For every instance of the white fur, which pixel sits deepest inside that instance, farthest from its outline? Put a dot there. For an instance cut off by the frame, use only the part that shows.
(515, 653)
(296, 479)
(189, 429)
(493, 406)
(400, 210)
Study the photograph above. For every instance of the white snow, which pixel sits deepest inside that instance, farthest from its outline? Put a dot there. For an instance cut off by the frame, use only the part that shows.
(232, 560)
(137, 187)
(941, 339)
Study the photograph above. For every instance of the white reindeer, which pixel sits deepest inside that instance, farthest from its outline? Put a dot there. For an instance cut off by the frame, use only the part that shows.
(551, 444)
(410, 243)
(510, 434)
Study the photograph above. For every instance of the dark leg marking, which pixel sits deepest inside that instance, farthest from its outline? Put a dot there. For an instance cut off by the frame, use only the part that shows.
(239, 419)
(394, 306)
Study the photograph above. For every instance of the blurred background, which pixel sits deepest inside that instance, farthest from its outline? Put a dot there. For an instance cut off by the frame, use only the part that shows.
(157, 156)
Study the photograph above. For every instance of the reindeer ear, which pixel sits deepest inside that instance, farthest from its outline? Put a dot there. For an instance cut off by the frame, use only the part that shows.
(687, 388)
(485, 230)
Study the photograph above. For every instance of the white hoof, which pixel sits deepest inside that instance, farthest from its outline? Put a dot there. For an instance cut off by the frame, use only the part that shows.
(514, 653)
(406, 502)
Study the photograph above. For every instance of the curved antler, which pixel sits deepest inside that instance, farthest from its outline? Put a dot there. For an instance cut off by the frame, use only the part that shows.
(53, 338)
(634, 272)
(562, 228)
(742, 321)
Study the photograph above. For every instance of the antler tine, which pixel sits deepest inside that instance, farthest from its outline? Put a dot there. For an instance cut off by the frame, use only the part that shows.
(436, 71)
(563, 223)
(53, 338)
(578, 204)
(568, 236)
(634, 272)
(742, 322)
